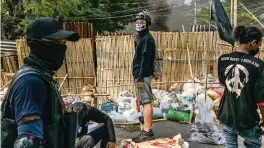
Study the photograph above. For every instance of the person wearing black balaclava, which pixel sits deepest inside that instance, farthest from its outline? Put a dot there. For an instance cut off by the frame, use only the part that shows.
(33, 103)
(243, 77)
(143, 71)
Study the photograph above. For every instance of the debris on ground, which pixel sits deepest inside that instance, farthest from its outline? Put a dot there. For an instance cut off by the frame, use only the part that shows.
(175, 142)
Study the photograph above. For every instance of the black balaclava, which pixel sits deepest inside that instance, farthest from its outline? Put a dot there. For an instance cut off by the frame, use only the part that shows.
(52, 53)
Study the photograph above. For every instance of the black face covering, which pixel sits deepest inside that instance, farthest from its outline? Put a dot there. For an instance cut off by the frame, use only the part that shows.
(254, 52)
(53, 53)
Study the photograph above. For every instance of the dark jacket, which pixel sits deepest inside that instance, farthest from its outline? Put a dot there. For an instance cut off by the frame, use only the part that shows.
(143, 62)
(89, 113)
(53, 119)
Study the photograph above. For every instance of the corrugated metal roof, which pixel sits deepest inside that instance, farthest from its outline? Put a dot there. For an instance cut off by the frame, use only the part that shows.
(8, 47)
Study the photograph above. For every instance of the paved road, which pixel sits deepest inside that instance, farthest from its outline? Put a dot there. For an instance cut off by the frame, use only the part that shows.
(166, 129)
(169, 129)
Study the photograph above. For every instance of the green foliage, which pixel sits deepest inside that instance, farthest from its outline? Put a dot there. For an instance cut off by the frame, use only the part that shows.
(12, 14)
(106, 15)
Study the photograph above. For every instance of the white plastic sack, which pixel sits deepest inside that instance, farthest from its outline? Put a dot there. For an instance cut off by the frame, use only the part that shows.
(204, 115)
(126, 93)
(130, 100)
(187, 86)
(188, 95)
(165, 103)
(159, 94)
(131, 115)
(177, 87)
(157, 113)
(123, 106)
(116, 117)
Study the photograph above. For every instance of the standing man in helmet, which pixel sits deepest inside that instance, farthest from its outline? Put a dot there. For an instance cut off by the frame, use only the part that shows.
(143, 70)
(33, 104)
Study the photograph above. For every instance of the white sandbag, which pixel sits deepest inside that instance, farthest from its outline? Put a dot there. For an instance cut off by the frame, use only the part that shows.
(188, 86)
(123, 106)
(131, 115)
(177, 87)
(157, 113)
(165, 103)
(159, 94)
(201, 98)
(116, 117)
(130, 100)
(126, 93)
(188, 96)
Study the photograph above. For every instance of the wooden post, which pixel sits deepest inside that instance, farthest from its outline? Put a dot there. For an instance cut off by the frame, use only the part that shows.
(231, 11)
(235, 13)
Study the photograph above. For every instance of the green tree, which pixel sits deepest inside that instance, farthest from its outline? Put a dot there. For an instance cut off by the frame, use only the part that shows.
(13, 21)
(106, 15)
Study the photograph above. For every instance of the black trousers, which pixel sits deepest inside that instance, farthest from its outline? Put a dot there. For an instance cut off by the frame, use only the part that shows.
(91, 139)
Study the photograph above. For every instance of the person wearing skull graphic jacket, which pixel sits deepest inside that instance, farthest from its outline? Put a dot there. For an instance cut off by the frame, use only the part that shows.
(243, 77)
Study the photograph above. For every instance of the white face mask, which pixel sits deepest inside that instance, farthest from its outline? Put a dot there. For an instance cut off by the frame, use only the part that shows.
(140, 27)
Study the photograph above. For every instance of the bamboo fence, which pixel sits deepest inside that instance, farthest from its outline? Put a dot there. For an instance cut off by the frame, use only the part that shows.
(185, 55)
(8, 65)
(80, 64)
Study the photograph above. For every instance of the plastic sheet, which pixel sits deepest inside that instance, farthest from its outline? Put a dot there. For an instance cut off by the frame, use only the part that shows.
(206, 133)
(157, 113)
(188, 95)
(131, 115)
(123, 106)
(116, 117)
(159, 94)
(204, 107)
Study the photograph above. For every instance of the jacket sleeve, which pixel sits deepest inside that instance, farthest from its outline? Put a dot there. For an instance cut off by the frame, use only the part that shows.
(259, 87)
(100, 117)
(146, 53)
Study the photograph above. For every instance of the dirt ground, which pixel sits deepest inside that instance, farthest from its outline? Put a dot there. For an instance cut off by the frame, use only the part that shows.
(169, 129)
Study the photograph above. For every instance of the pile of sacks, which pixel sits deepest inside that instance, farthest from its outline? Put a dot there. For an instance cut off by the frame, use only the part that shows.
(126, 108)
(181, 99)
(173, 105)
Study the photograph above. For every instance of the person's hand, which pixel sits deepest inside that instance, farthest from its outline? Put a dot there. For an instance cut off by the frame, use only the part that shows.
(110, 145)
(140, 84)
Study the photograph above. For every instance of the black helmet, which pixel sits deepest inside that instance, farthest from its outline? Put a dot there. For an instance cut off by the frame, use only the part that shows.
(144, 16)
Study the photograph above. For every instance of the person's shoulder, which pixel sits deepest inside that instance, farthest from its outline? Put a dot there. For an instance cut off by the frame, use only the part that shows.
(223, 56)
(258, 61)
(31, 80)
(149, 37)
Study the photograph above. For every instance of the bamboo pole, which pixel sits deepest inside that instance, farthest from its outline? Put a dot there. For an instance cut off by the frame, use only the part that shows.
(83, 95)
(5, 85)
(63, 81)
(137, 123)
